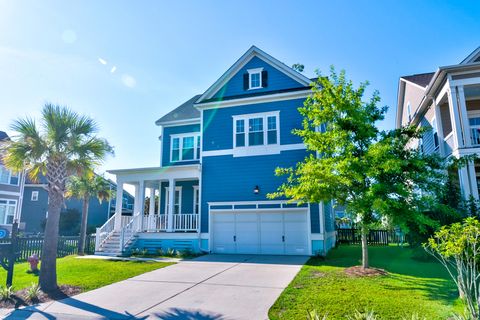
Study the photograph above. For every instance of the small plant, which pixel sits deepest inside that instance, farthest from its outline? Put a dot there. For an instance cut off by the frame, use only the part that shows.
(414, 316)
(6, 293)
(313, 315)
(33, 292)
(365, 315)
(160, 252)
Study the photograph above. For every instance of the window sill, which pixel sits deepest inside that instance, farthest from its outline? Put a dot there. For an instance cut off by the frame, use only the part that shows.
(256, 150)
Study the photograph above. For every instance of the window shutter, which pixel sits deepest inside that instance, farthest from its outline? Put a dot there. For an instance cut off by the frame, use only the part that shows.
(245, 81)
(264, 78)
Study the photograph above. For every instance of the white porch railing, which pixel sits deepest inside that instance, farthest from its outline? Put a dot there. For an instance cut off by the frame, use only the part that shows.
(129, 231)
(104, 232)
(126, 220)
(181, 222)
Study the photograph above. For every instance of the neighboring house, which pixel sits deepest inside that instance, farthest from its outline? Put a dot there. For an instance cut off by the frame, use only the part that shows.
(10, 194)
(219, 151)
(35, 207)
(448, 102)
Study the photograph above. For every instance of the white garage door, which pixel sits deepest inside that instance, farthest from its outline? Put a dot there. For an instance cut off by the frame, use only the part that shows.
(260, 232)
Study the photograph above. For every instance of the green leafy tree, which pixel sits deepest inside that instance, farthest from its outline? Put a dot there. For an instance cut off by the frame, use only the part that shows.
(372, 173)
(64, 145)
(85, 187)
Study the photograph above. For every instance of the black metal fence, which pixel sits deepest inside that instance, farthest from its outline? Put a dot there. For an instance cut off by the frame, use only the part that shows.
(26, 246)
(375, 237)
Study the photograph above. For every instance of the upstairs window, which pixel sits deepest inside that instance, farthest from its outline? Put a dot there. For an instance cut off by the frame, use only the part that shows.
(7, 211)
(256, 130)
(34, 196)
(185, 147)
(7, 177)
(255, 79)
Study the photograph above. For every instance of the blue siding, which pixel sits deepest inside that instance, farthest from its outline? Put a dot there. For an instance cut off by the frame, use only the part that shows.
(218, 123)
(153, 245)
(226, 178)
(277, 80)
(329, 216)
(187, 195)
(317, 247)
(314, 218)
(428, 142)
(167, 132)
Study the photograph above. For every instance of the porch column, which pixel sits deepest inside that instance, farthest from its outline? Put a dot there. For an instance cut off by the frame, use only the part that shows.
(455, 118)
(118, 206)
(473, 179)
(462, 106)
(438, 120)
(151, 208)
(464, 182)
(171, 204)
(159, 198)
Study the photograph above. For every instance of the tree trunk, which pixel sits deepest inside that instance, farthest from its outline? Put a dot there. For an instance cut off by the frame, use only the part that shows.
(364, 248)
(83, 227)
(48, 271)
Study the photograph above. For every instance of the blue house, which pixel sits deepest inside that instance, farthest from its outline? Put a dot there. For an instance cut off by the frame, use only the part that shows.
(35, 207)
(219, 151)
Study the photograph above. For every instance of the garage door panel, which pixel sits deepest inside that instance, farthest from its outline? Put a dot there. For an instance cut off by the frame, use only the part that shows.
(223, 228)
(296, 229)
(246, 232)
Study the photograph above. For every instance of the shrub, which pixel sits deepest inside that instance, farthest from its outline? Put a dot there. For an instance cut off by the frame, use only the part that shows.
(6, 293)
(33, 292)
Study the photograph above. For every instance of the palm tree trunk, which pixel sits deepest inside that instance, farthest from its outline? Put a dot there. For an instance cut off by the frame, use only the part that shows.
(364, 231)
(83, 227)
(48, 271)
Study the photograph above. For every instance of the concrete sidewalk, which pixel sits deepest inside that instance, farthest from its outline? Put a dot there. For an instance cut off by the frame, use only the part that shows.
(209, 287)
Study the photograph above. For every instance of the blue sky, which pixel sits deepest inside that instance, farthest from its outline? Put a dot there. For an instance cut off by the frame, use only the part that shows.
(127, 63)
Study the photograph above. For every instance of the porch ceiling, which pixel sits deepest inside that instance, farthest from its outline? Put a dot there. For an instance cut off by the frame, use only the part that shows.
(155, 174)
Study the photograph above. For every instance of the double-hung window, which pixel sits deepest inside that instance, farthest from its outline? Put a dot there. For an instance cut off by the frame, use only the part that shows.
(185, 147)
(475, 129)
(177, 200)
(7, 211)
(7, 177)
(255, 78)
(258, 131)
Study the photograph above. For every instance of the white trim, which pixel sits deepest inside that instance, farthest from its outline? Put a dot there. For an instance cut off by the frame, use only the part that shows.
(177, 188)
(471, 57)
(180, 137)
(317, 236)
(269, 149)
(34, 196)
(33, 185)
(168, 235)
(242, 61)
(9, 193)
(251, 72)
(205, 236)
(254, 100)
(195, 199)
(175, 123)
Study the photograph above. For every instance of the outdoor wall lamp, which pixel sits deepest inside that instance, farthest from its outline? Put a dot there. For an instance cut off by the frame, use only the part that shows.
(256, 190)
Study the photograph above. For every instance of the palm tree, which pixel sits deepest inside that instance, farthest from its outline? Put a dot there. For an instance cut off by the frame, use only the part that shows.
(84, 187)
(65, 144)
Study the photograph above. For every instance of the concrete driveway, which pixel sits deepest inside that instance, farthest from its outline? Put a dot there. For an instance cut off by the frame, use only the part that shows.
(207, 288)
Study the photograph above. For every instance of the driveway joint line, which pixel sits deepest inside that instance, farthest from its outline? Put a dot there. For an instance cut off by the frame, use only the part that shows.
(186, 289)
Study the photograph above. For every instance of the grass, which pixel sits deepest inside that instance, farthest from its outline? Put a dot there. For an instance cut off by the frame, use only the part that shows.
(412, 286)
(88, 274)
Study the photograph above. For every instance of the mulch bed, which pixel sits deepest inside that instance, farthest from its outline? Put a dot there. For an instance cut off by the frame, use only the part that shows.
(359, 271)
(19, 299)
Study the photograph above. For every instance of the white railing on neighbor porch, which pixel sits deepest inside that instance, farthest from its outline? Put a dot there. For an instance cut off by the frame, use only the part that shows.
(181, 222)
(155, 222)
(104, 232)
(185, 222)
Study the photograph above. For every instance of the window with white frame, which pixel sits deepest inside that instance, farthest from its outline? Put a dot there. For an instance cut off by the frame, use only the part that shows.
(185, 147)
(475, 129)
(254, 130)
(7, 177)
(196, 197)
(435, 133)
(177, 200)
(34, 196)
(255, 78)
(7, 211)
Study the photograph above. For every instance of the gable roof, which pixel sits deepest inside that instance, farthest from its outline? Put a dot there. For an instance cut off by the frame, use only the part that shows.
(421, 79)
(186, 111)
(3, 136)
(244, 59)
(472, 57)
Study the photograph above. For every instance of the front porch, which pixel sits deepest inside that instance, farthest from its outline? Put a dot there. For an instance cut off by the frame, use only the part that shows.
(171, 207)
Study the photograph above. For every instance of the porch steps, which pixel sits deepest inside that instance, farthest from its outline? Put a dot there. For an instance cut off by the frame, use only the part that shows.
(111, 246)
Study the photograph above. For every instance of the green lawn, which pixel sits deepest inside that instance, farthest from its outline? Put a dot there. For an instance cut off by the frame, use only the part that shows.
(85, 273)
(412, 286)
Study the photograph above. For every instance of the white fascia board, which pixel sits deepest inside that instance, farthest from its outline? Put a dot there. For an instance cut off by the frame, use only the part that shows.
(254, 100)
(178, 122)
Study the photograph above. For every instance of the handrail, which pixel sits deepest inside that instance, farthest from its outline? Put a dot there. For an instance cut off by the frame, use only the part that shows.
(104, 232)
(128, 232)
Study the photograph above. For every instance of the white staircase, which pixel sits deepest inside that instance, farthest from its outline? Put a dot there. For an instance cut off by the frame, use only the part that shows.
(111, 245)
(115, 243)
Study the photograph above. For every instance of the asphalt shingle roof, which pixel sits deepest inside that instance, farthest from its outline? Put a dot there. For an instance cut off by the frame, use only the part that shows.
(422, 79)
(185, 111)
(3, 135)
